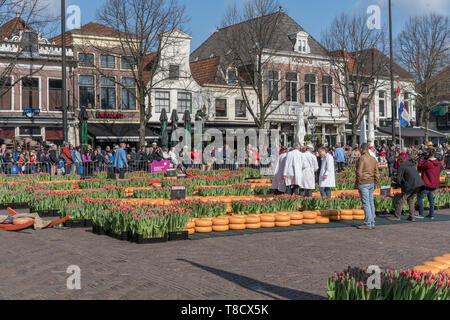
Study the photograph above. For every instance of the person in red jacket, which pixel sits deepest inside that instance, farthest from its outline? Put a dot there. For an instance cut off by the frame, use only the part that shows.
(430, 168)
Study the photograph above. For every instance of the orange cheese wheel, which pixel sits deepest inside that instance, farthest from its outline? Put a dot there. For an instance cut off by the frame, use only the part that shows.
(269, 214)
(335, 218)
(427, 269)
(296, 222)
(358, 212)
(333, 212)
(237, 226)
(359, 217)
(253, 225)
(346, 212)
(267, 224)
(296, 216)
(190, 225)
(220, 222)
(203, 229)
(283, 213)
(267, 218)
(203, 223)
(283, 223)
(252, 220)
(319, 213)
(443, 260)
(309, 215)
(282, 218)
(438, 265)
(220, 228)
(447, 255)
(191, 231)
(236, 220)
(309, 221)
(322, 220)
(257, 215)
(346, 218)
(193, 219)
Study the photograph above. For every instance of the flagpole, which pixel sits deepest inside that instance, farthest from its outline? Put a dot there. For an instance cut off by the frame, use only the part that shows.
(391, 63)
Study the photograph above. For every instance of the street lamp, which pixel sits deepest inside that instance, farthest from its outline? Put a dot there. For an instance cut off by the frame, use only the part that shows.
(312, 121)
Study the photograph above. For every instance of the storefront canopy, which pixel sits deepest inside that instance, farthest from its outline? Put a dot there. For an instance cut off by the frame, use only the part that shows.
(415, 132)
(119, 132)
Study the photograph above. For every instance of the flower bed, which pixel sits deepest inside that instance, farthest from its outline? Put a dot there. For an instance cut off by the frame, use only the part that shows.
(395, 285)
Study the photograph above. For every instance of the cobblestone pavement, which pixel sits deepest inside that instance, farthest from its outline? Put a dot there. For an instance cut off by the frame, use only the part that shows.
(287, 265)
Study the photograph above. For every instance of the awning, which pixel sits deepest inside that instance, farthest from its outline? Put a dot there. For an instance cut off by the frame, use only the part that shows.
(119, 132)
(415, 132)
(439, 111)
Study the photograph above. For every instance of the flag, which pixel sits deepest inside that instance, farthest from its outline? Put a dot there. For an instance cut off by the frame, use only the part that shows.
(403, 115)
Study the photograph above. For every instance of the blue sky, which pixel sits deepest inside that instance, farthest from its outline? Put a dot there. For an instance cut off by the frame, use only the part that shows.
(313, 15)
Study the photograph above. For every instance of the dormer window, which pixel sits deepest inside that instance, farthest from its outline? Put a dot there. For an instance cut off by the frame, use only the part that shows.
(231, 75)
(300, 42)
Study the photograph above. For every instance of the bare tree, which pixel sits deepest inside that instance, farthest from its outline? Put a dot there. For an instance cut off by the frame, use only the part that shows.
(140, 25)
(358, 64)
(251, 46)
(424, 49)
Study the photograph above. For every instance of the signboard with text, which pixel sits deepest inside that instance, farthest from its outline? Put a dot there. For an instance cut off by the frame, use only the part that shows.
(160, 166)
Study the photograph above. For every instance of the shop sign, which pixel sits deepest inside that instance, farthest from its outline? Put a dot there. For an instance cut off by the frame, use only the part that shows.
(109, 115)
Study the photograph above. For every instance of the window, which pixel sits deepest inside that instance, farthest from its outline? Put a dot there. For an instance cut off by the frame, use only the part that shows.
(174, 72)
(86, 60)
(240, 109)
(184, 102)
(108, 90)
(5, 93)
(327, 89)
(365, 88)
(162, 101)
(128, 94)
(30, 93)
(107, 61)
(232, 76)
(310, 88)
(381, 103)
(221, 107)
(54, 94)
(127, 62)
(29, 131)
(30, 41)
(407, 102)
(87, 92)
(302, 46)
(273, 78)
(291, 86)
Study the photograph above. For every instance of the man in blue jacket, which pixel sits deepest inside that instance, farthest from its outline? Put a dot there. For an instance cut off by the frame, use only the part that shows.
(120, 160)
(339, 155)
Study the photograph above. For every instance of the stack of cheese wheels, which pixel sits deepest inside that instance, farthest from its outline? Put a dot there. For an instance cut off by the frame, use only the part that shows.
(203, 225)
(267, 220)
(358, 214)
(296, 218)
(253, 221)
(426, 269)
(436, 265)
(282, 219)
(333, 215)
(346, 215)
(220, 224)
(309, 217)
(190, 227)
(237, 222)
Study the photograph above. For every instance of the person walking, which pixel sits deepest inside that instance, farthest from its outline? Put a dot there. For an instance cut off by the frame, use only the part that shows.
(310, 168)
(120, 160)
(430, 169)
(367, 177)
(339, 155)
(327, 174)
(278, 183)
(411, 183)
(293, 170)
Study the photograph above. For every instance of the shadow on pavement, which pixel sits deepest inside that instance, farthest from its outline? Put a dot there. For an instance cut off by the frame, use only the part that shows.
(259, 286)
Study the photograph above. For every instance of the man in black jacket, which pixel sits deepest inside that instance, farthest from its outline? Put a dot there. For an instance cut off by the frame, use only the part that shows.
(409, 180)
(390, 158)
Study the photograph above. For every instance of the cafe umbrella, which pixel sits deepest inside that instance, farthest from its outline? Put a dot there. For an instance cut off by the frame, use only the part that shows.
(187, 128)
(164, 135)
(174, 123)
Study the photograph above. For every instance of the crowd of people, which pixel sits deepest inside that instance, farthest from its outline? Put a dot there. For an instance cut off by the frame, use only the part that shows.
(415, 170)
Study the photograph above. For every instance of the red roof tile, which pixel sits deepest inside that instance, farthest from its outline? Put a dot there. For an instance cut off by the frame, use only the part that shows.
(90, 28)
(205, 71)
(12, 27)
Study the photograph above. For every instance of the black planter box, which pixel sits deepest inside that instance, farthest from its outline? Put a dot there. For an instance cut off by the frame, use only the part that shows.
(88, 223)
(95, 229)
(74, 224)
(140, 240)
(122, 237)
(178, 235)
(48, 213)
(19, 205)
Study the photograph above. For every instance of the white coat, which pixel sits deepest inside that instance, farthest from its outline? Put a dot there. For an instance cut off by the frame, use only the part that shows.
(293, 171)
(327, 169)
(277, 181)
(310, 167)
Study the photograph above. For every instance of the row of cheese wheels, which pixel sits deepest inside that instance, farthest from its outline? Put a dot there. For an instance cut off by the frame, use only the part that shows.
(254, 221)
(438, 264)
(344, 214)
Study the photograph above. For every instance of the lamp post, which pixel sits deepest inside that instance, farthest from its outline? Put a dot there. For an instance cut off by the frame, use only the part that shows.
(64, 84)
(391, 64)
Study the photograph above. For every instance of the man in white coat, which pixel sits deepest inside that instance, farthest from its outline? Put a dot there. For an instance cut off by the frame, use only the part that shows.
(278, 181)
(293, 170)
(327, 175)
(310, 167)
